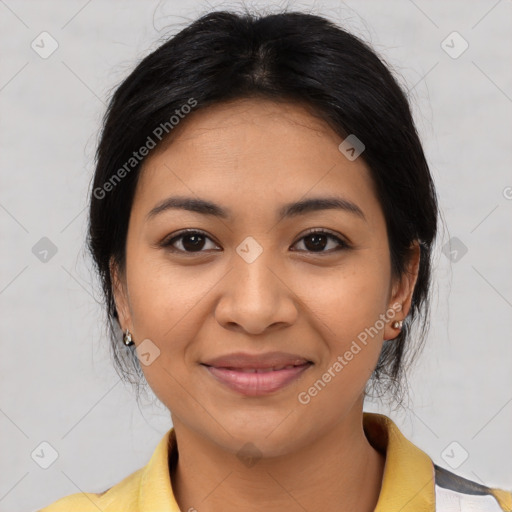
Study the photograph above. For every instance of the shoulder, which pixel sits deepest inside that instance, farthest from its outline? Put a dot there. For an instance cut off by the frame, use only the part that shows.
(148, 488)
(122, 496)
(457, 494)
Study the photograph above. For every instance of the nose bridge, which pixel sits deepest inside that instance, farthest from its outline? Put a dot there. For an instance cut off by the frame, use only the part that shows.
(253, 269)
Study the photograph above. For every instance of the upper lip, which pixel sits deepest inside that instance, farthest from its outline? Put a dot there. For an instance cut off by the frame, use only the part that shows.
(256, 361)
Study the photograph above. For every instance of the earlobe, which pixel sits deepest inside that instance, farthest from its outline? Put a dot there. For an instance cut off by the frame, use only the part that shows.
(401, 297)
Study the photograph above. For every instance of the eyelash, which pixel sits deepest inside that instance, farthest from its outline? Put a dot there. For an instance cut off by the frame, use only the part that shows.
(168, 243)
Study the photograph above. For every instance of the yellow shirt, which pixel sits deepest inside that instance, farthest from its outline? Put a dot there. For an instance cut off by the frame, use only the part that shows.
(411, 482)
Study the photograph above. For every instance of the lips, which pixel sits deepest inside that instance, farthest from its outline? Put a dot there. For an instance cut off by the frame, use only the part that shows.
(254, 375)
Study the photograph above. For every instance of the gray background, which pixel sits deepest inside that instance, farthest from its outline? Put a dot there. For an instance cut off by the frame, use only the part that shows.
(57, 382)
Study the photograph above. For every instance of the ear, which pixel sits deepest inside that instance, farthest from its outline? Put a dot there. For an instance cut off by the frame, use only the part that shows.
(402, 291)
(120, 295)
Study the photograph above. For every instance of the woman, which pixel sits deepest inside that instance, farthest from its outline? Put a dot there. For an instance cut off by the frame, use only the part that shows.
(262, 218)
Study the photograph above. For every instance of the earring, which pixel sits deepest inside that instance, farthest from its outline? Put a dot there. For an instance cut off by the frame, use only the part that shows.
(127, 338)
(397, 325)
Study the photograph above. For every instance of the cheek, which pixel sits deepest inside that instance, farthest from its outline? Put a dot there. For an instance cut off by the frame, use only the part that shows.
(348, 310)
(163, 294)
(169, 305)
(347, 300)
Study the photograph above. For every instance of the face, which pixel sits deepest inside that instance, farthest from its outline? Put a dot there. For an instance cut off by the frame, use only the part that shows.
(257, 284)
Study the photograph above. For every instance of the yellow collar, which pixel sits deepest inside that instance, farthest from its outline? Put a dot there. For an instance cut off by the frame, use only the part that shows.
(155, 484)
(407, 485)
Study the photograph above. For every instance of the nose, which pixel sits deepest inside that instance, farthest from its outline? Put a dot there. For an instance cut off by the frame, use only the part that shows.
(256, 297)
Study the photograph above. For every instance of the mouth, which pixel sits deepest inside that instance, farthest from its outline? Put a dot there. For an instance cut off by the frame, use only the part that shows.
(259, 370)
(257, 375)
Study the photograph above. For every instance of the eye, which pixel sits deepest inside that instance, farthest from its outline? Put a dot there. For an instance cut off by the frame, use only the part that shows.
(316, 240)
(189, 240)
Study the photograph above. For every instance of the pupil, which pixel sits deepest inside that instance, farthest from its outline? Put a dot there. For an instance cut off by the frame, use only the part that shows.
(317, 241)
(193, 245)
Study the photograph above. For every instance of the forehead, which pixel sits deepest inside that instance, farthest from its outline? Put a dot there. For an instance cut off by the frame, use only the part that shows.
(263, 151)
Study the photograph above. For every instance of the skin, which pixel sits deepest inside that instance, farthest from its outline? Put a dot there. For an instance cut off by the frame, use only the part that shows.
(252, 156)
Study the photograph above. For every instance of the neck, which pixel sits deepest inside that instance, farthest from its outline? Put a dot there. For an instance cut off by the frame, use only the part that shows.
(339, 472)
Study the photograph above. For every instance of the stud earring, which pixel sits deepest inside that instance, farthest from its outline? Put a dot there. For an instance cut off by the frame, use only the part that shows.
(127, 338)
(397, 325)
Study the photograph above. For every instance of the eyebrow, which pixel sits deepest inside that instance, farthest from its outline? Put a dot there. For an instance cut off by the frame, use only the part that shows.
(288, 210)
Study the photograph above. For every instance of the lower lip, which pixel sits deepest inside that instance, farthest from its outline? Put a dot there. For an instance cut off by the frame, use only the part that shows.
(256, 384)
